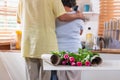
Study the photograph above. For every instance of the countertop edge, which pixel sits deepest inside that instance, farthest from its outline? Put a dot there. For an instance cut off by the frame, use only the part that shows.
(105, 51)
(108, 51)
(14, 51)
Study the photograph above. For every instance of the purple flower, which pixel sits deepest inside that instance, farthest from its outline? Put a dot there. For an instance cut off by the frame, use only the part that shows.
(71, 59)
(87, 63)
(79, 63)
(66, 56)
(73, 64)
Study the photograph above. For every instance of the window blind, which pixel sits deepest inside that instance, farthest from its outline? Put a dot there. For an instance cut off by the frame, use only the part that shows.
(108, 9)
(8, 23)
(8, 14)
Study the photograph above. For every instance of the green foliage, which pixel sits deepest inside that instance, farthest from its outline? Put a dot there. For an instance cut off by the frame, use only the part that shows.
(82, 55)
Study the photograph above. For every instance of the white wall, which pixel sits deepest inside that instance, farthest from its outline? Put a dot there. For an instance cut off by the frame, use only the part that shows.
(93, 18)
(93, 23)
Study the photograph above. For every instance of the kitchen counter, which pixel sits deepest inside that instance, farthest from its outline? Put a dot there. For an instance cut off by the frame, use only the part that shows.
(11, 51)
(105, 65)
(12, 65)
(108, 51)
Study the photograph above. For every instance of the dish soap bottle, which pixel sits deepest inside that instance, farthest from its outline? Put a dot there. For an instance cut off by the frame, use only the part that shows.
(89, 39)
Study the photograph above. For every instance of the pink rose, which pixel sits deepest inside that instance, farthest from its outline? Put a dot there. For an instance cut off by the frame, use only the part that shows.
(87, 63)
(73, 64)
(63, 62)
(71, 59)
(66, 56)
(79, 63)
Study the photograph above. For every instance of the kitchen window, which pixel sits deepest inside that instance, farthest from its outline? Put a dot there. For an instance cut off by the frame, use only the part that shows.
(8, 23)
(8, 14)
(108, 9)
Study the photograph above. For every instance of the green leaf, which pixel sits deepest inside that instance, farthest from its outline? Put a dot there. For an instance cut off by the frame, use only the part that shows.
(80, 51)
(56, 53)
(82, 55)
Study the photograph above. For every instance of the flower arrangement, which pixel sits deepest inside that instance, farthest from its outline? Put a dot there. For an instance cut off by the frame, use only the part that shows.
(84, 57)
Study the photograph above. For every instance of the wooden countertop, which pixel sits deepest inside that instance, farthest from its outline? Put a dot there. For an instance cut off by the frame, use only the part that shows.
(13, 51)
(109, 51)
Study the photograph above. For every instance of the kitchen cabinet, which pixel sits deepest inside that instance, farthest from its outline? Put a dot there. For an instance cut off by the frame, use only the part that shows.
(12, 65)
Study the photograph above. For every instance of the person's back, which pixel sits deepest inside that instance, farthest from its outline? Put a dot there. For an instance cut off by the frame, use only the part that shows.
(39, 21)
(68, 34)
